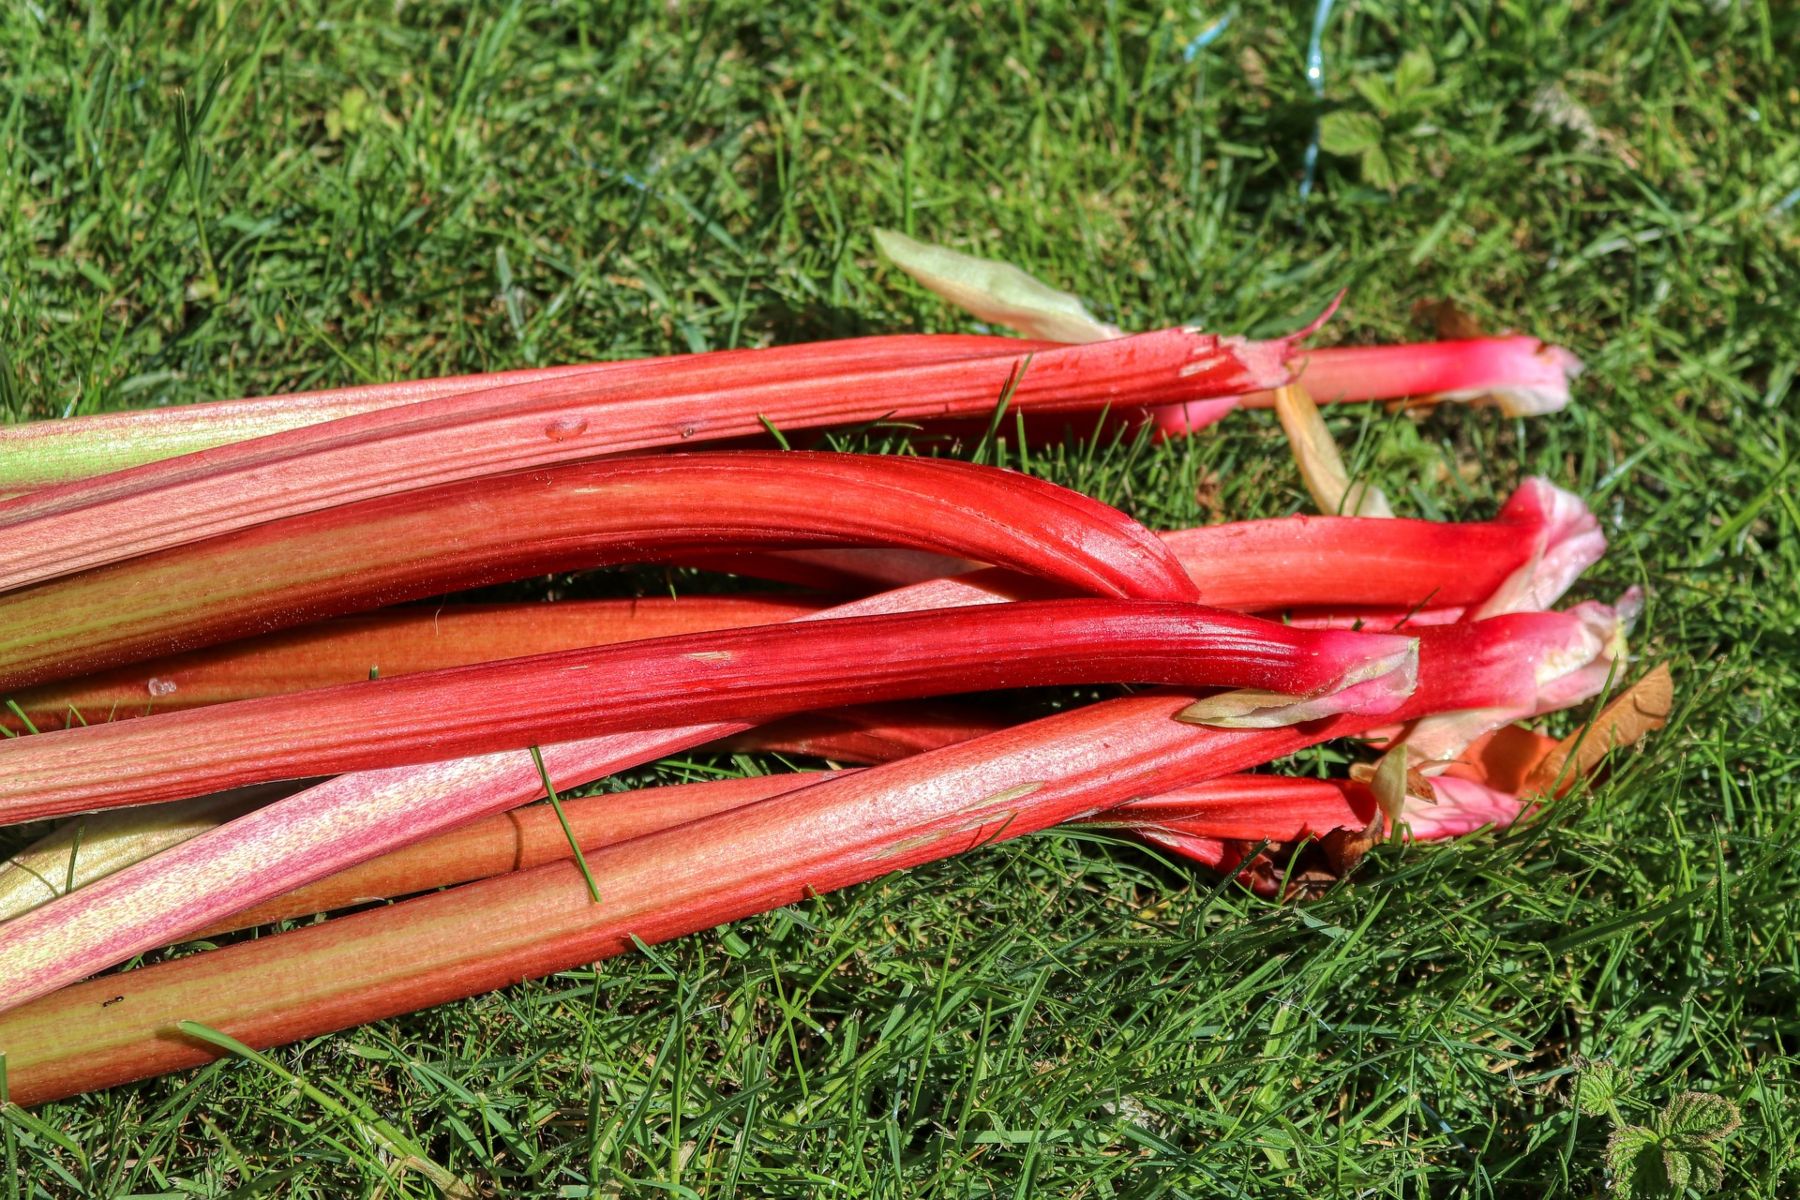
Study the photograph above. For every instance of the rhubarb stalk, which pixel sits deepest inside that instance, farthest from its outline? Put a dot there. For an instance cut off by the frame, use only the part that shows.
(633, 407)
(1251, 808)
(1542, 538)
(751, 675)
(41, 453)
(94, 846)
(391, 642)
(482, 531)
(1521, 375)
(395, 959)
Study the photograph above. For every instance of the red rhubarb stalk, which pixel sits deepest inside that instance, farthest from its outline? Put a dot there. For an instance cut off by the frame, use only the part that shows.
(660, 886)
(752, 675)
(1523, 559)
(1541, 539)
(483, 531)
(399, 641)
(86, 524)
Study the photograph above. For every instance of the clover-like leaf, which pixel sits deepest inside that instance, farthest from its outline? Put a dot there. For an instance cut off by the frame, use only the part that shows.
(1700, 1115)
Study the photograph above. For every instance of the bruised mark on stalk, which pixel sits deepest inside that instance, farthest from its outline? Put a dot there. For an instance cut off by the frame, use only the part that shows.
(712, 656)
(565, 429)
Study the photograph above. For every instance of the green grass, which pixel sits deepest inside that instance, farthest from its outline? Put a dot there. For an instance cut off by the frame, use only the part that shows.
(353, 192)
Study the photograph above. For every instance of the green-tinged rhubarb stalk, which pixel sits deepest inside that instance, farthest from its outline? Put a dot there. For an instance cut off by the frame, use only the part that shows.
(1520, 374)
(667, 884)
(1252, 808)
(483, 531)
(230, 488)
(40, 454)
(751, 674)
(93, 846)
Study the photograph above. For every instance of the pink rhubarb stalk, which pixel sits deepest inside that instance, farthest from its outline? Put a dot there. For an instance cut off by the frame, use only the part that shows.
(1523, 376)
(657, 887)
(90, 523)
(516, 841)
(483, 531)
(751, 674)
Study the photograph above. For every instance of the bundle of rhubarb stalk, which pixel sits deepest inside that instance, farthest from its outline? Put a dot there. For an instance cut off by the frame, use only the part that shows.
(229, 708)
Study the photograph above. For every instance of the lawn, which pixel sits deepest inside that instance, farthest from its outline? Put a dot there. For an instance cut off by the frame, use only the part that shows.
(204, 200)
